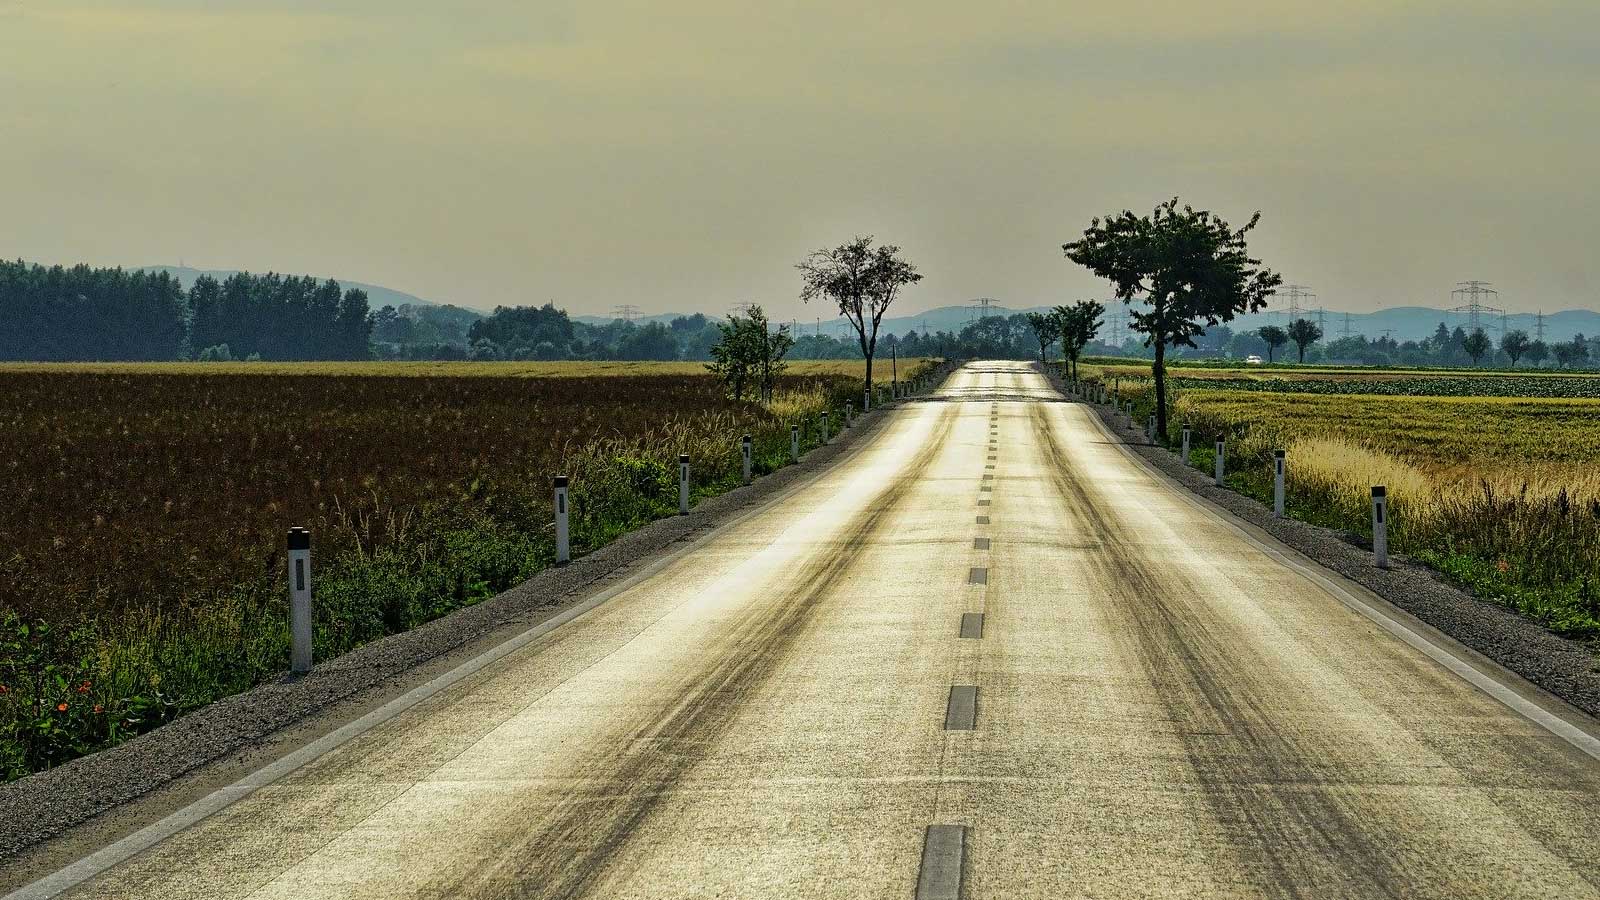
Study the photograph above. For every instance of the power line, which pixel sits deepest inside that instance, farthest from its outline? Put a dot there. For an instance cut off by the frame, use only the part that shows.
(981, 307)
(1538, 326)
(1346, 332)
(627, 312)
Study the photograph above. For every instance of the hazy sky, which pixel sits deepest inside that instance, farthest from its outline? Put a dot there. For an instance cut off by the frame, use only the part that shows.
(685, 155)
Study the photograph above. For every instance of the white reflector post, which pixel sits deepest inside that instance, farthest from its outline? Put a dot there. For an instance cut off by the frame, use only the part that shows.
(1277, 482)
(1186, 443)
(794, 442)
(1380, 526)
(300, 631)
(683, 484)
(1221, 452)
(563, 546)
(745, 445)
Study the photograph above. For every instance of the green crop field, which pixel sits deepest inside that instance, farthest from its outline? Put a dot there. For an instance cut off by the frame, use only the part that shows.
(141, 541)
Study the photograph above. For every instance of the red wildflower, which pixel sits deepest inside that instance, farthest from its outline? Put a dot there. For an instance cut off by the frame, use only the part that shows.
(99, 709)
(83, 688)
(61, 707)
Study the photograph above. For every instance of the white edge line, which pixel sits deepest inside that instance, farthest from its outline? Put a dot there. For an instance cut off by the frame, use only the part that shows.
(131, 845)
(1479, 679)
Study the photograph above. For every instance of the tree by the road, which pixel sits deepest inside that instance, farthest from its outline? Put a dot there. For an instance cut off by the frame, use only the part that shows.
(1304, 333)
(1078, 324)
(750, 352)
(1275, 337)
(1046, 329)
(1515, 344)
(1476, 345)
(1189, 267)
(863, 281)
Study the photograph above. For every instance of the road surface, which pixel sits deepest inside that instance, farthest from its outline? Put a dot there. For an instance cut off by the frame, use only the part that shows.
(989, 655)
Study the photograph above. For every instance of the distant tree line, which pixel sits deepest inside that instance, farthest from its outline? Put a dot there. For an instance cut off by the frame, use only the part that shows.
(58, 314)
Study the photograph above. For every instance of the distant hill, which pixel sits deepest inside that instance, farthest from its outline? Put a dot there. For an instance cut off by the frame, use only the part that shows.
(377, 295)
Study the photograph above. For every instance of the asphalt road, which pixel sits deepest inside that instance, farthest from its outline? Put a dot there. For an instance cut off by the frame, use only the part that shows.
(809, 705)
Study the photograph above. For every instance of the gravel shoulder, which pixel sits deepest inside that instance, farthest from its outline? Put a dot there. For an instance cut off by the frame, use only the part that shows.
(55, 817)
(1487, 631)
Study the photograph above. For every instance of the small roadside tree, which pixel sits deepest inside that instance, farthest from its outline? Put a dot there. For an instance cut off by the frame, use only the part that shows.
(750, 353)
(1275, 337)
(1476, 345)
(1046, 329)
(1190, 268)
(1304, 333)
(1515, 345)
(1079, 323)
(862, 281)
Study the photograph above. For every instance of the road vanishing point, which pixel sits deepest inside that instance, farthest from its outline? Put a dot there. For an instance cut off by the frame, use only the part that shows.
(987, 653)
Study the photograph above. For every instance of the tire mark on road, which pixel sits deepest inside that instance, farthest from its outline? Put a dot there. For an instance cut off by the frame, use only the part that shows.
(1261, 774)
(568, 850)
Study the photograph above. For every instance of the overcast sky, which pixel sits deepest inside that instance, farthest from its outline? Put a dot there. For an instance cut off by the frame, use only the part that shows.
(684, 155)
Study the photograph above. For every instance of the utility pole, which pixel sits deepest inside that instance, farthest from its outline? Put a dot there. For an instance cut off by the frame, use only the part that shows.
(1346, 331)
(1472, 295)
(980, 306)
(627, 312)
(1295, 293)
(1538, 327)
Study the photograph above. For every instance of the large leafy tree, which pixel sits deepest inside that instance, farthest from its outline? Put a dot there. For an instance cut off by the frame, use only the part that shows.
(1304, 333)
(862, 280)
(1188, 269)
(1274, 337)
(1079, 323)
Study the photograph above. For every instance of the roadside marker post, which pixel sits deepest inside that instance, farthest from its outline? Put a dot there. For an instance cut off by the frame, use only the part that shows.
(866, 398)
(849, 413)
(794, 442)
(300, 632)
(683, 484)
(1221, 450)
(1186, 443)
(824, 428)
(1277, 482)
(745, 444)
(1380, 526)
(563, 545)
(1150, 429)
